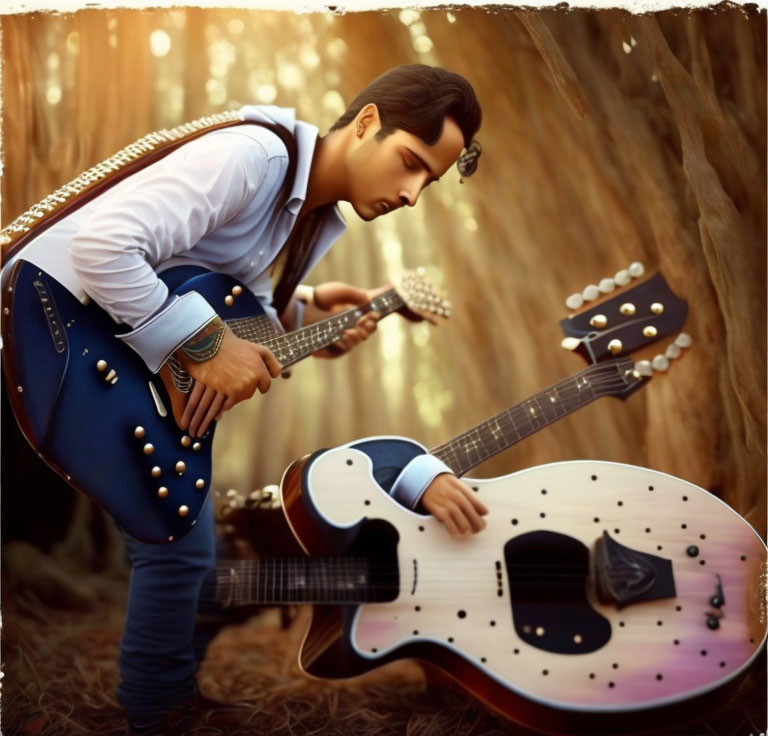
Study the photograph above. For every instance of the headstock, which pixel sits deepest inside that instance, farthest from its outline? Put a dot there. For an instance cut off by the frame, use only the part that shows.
(629, 321)
(420, 297)
(633, 319)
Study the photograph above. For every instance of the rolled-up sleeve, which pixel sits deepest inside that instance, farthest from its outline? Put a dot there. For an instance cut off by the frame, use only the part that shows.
(160, 212)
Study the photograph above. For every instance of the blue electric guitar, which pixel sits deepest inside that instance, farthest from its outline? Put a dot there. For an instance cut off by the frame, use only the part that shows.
(92, 410)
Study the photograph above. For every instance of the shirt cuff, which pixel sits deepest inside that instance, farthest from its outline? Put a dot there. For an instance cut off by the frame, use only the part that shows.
(170, 328)
(414, 479)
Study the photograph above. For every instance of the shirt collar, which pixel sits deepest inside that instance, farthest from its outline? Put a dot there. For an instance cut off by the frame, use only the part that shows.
(305, 135)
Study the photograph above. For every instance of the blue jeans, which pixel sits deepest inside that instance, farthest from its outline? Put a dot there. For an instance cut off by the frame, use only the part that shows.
(157, 660)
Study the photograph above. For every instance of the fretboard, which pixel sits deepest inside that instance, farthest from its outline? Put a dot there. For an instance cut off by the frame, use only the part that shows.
(485, 440)
(322, 580)
(294, 346)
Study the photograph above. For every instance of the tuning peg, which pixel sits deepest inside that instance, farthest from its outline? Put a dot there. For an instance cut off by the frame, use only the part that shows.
(673, 351)
(574, 301)
(590, 293)
(684, 340)
(660, 363)
(644, 367)
(606, 286)
(636, 269)
(622, 278)
(570, 343)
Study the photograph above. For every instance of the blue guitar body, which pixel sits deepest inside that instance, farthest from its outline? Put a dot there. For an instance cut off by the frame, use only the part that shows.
(114, 440)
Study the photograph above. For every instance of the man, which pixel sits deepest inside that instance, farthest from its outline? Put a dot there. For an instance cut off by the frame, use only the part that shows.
(220, 202)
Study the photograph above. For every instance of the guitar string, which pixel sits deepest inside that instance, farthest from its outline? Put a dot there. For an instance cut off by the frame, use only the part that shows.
(309, 339)
(601, 375)
(293, 346)
(566, 391)
(339, 570)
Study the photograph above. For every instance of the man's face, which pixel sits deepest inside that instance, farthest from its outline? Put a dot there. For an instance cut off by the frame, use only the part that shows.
(384, 175)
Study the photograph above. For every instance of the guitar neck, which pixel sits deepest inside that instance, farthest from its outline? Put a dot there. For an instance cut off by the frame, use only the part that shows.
(500, 432)
(295, 346)
(321, 580)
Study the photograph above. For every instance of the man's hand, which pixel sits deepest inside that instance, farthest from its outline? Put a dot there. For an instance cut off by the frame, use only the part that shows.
(335, 296)
(232, 375)
(452, 502)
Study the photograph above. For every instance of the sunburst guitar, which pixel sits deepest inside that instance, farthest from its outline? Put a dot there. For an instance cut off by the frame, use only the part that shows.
(597, 594)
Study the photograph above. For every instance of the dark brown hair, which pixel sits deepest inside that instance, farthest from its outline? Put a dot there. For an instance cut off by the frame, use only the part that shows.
(416, 98)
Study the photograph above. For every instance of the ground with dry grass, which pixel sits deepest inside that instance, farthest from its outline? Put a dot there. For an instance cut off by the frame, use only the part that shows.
(60, 678)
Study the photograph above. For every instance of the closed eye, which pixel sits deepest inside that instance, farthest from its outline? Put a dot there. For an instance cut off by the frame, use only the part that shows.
(416, 162)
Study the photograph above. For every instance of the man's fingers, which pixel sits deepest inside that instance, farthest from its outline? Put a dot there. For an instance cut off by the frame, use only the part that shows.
(369, 320)
(470, 514)
(198, 389)
(343, 344)
(264, 382)
(477, 505)
(334, 293)
(457, 515)
(213, 411)
(201, 410)
(449, 525)
(367, 325)
(272, 363)
(229, 402)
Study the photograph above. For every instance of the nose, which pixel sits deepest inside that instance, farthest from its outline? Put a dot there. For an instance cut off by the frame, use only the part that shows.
(409, 197)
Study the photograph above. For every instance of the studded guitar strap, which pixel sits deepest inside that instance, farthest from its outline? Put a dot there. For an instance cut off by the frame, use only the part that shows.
(96, 180)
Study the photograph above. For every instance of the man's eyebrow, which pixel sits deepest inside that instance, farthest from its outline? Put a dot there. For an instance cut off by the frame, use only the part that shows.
(424, 164)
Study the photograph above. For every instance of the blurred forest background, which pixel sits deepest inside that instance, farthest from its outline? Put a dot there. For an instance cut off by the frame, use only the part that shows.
(607, 138)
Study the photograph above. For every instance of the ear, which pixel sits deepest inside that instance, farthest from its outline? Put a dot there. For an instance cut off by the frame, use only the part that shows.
(367, 117)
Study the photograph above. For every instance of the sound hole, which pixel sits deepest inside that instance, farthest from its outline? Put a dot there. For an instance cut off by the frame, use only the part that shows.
(547, 575)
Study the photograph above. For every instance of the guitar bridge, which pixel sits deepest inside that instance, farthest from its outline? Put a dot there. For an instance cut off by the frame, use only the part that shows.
(623, 575)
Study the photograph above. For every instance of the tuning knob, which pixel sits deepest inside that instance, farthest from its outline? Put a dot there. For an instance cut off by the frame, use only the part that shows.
(684, 340)
(644, 367)
(622, 278)
(636, 269)
(590, 293)
(660, 363)
(574, 301)
(673, 351)
(606, 286)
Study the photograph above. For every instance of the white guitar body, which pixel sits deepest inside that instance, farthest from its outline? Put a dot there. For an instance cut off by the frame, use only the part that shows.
(455, 592)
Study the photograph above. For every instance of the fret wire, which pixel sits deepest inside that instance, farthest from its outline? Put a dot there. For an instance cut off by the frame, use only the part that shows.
(315, 333)
(605, 375)
(248, 582)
